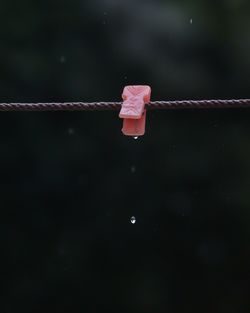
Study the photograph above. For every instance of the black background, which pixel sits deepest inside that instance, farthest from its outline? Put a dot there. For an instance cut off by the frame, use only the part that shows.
(70, 181)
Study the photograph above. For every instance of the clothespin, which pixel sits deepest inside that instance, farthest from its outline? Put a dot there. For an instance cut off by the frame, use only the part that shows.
(133, 109)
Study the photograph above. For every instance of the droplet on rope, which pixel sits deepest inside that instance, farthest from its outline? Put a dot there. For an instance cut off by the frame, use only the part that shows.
(135, 138)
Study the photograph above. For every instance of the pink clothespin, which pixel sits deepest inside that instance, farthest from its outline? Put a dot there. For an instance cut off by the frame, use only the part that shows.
(133, 109)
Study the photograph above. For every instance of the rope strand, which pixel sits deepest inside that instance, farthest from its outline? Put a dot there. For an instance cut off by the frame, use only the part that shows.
(93, 106)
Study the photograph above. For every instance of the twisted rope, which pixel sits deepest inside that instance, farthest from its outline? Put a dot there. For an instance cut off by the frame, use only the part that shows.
(92, 106)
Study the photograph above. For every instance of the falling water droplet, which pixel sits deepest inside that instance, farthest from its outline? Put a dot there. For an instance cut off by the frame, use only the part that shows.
(62, 59)
(133, 169)
(191, 21)
(71, 131)
(133, 220)
(135, 138)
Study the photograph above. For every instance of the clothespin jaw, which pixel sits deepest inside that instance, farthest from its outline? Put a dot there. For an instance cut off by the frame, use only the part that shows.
(133, 109)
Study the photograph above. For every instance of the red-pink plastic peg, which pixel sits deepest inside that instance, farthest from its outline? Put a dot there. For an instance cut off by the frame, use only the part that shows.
(133, 109)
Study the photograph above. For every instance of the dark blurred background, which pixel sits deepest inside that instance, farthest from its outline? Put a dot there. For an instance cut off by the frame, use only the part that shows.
(70, 182)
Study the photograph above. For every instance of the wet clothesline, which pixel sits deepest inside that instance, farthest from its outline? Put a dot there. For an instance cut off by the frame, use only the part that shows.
(101, 106)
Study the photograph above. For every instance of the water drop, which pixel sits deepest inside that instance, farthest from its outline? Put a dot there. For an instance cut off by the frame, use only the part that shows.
(135, 138)
(71, 131)
(133, 169)
(62, 59)
(133, 220)
(191, 21)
